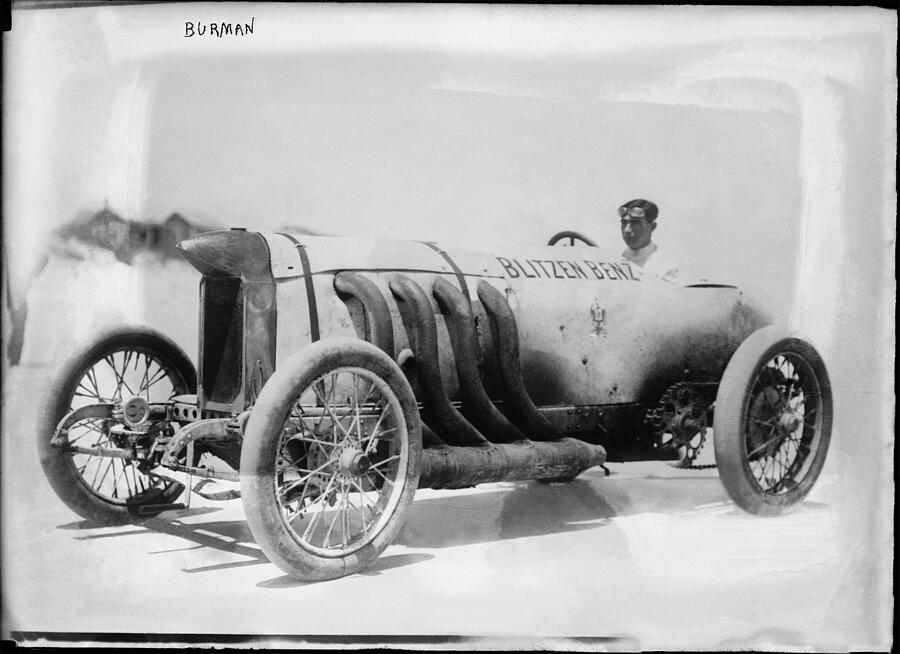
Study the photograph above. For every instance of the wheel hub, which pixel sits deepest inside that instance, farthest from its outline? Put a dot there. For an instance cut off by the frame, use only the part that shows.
(789, 422)
(354, 463)
(135, 411)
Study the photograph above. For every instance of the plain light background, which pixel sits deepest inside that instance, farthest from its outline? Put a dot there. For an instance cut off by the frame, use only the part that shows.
(766, 136)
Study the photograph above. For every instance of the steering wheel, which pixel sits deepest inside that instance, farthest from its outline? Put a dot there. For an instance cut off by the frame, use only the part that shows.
(572, 238)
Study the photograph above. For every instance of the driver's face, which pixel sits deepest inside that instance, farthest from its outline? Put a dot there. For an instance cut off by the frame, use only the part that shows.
(636, 231)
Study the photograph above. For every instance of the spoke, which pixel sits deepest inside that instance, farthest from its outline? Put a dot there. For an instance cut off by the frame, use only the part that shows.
(307, 470)
(762, 472)
(120, 381)
(86, 464)
(128, 355)
(362, 501)
(87, 391)
(356, 419)
(773, 461)
(337, 514)
(109, 466)
(90, 429)
(116, 475)
(381, 474)
(777, 467)
(144, 378)
(381, 463)
(115, 491)
(772, 432)
(290, 513)
(766, 423)
(92, 375)
(125, 468)
(323, 500)
(306, 488)
(324, 402)
(125, 383)
(284, 490)
(794, 463)
(790, 384)
(335, 419)
(788, 464)
(372, 507)
(313, 519)
(310, 439)
(97, 471)
(369, 392)
(318, 427)
(359, 430)
(795, 452)
(779, 463)
(158, 376)
(767, 473)
(370, 441)
(345, 516)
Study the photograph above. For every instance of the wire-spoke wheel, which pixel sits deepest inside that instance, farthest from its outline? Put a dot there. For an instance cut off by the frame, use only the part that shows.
(773, 421)
(105, 484)
(331, 459)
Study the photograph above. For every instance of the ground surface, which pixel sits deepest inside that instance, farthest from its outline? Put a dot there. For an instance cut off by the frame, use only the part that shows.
(656, 557)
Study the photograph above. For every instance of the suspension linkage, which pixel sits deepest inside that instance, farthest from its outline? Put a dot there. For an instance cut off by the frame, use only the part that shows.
(112, 452)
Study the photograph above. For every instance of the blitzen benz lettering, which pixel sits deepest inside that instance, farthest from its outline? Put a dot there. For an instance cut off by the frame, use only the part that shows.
(557, 269)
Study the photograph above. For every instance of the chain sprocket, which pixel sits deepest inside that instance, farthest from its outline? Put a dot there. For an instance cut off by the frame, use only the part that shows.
(681, 420)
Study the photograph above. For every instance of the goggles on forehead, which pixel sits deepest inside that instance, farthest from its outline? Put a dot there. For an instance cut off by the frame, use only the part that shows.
(634, 212)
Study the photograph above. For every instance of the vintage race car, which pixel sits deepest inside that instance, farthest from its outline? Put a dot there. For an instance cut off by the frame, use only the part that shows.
(336, 376)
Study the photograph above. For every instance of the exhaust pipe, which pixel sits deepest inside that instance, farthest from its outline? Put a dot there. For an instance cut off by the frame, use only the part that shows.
(379, 329)
(417, 314)
(524, 413)
(477, 406)
(462, 467)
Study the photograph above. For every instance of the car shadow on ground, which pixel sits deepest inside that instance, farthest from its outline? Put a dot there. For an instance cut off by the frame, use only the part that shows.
(525, 509)
(381, 565)
(515, 510)
(506, 511)
(232, 536)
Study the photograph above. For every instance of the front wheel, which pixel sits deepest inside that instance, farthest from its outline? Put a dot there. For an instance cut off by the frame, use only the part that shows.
(120, 364)
(772, 423)
(331, 459)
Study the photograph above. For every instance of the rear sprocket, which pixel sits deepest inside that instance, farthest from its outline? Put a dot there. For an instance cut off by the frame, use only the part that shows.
(681, 420)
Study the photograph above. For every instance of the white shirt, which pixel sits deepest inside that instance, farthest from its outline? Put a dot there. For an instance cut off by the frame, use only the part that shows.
(653, 265)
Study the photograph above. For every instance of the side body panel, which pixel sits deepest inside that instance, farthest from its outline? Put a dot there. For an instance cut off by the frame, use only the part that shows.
(592, 330)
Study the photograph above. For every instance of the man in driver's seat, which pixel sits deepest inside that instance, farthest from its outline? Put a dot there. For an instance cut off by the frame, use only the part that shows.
(638, 221)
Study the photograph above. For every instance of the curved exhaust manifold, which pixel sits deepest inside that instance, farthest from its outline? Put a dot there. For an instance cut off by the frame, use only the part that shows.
(379, 328)
(417, 314)
(525, 415)
(477, 406)
(462, 467)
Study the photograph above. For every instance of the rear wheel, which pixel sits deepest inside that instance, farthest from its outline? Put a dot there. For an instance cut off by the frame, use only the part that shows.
(331, 459)
(772, 424)
(121, 364)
